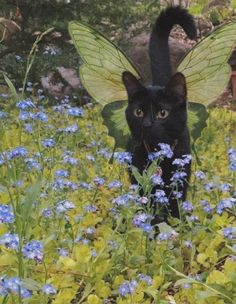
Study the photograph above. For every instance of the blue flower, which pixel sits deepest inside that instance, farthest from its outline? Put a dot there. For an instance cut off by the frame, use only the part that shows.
(165, 151)
(25, 104)
(86, 186)
(6, 214)
(70, 129)
(62, 173)
(47, 213)
(225, 187)
(230, 233)
(145, 278)
(75, 111)
(186, 159)
(123, 157)
(48, 142)
(194, 218)
(63, 252)
(232, 159)
(209, 186)
(33, 164)
(160, 197)
(29, 128)
(165, 236)
(188, 244)
(41, 116)
(206, 206)
(200, 175)
(140, 218)
(63, 206)
(157, 180)
(146, 227)
(123, 200)
(187, 206)
(90, 158)
(17, 153)
(14, 285)
(23, 115)
(91, 208)
(67, 159)
(104, 152)
(177, 194)
(127, 288)
(99, 181)
(49, 289)
(114, 184)
(10, 241)
(178, 177)
(226, 203)
(33, 251)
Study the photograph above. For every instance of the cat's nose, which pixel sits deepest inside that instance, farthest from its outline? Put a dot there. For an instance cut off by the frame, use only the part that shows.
(147, 122)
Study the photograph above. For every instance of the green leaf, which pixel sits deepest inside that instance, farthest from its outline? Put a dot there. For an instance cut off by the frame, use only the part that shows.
(197, 116)
(206, 65)
(137, 260)
(12, 88)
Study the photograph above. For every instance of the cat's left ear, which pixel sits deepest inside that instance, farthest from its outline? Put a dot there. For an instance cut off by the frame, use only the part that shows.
(177, 86)
(131, 83)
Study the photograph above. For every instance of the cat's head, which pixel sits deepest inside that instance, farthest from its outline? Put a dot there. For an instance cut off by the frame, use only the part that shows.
(156, 115)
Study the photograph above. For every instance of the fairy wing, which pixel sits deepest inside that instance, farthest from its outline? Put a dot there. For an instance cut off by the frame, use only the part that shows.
(206, 66)
(103, 64)
(100, 73)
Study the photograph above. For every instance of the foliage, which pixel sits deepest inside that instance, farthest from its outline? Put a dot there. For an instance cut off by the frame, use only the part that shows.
(63, 193)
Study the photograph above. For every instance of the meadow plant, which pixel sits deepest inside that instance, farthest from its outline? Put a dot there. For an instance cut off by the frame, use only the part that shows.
(72, 228)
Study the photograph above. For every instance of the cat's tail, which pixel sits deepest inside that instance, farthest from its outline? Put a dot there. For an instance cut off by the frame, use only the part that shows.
(158, 45)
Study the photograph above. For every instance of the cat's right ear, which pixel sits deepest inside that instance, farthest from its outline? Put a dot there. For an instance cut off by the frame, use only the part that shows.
(131, 83)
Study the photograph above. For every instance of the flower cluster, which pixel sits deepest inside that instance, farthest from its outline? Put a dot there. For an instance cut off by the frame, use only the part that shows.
(13, 286)
(33, 251)
(230, 233)
(224, 204)
(10, 240)
(164, 151)
(160, 197)
(123, 157)
(127, 288)
(232, 159)
(6, 214)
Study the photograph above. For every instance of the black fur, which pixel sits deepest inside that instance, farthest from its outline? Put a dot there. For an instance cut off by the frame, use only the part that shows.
(168, 94)
(158, 45)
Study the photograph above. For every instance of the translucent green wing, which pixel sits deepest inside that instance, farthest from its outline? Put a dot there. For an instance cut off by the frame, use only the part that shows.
(103, 64)
(205, 66)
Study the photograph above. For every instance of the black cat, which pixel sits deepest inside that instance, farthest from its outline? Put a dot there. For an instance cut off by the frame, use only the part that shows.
(158, 113)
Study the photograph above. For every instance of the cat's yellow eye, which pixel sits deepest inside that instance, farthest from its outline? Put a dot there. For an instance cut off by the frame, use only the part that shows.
(138, 113)
(162, 114)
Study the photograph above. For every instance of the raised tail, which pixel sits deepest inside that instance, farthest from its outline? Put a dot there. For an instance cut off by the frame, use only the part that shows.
(158, 45)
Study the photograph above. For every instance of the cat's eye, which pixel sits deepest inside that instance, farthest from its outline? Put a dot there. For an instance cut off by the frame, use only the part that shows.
(162, 114)
(138, 113)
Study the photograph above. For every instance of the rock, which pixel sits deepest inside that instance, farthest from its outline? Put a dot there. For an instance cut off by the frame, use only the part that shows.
(8, 30)
(70, 75)
(63, 81)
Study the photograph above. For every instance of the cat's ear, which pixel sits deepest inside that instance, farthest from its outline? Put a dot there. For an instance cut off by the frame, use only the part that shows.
(131, 83)
(177, 86)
